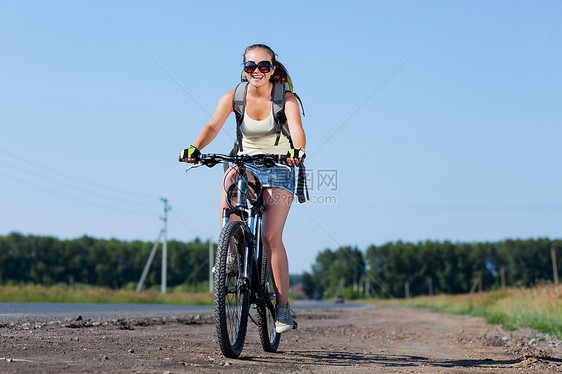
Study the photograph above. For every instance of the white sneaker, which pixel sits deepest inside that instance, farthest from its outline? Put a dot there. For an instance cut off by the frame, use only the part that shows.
(284, 318)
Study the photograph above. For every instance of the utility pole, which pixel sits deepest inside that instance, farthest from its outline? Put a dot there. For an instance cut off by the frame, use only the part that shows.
(554, 265)
(479, 282)
(163, 233)
(341, 286)
(407, 290)
(211, 264)
(430, 286)
(165, 245)
(502, 277)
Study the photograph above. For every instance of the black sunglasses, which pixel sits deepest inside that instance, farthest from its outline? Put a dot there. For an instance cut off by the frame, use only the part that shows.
(263, 66)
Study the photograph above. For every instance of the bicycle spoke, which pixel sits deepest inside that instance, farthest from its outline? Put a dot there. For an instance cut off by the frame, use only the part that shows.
(231, 301)
(269, 338)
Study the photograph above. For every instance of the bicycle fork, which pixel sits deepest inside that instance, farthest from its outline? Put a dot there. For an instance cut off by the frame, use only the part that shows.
(252, 257)
(252, 234)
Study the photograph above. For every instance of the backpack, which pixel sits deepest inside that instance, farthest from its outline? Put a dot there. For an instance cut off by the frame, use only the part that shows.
(277, 107)
(281, 126)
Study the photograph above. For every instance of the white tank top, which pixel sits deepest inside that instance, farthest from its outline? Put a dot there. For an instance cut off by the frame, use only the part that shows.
(258, 137)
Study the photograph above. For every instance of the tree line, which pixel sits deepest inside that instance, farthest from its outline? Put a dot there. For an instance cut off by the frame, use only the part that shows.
(431, 267)
(107, 263)
(383, 271)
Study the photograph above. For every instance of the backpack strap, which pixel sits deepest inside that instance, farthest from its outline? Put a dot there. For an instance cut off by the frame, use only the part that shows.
(239, 106)
(300, 102)
(278, 108)
(302, 189)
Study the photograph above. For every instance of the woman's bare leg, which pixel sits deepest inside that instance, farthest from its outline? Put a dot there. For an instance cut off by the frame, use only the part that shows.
(277, 204)
(228, 179)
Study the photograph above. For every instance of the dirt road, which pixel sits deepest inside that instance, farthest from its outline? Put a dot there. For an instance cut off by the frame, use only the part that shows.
(375, 339)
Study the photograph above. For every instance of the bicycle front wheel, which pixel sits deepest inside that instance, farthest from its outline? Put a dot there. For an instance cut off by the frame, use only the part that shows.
(232, 302)
(269, 338)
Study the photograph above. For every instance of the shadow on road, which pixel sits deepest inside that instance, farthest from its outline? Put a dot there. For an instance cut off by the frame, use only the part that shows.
(341, 358)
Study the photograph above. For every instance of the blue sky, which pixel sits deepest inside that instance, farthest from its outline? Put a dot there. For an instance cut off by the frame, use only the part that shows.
(461, 143)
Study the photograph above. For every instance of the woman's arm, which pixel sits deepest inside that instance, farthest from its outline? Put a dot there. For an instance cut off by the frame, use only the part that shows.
(292, 111)
(212, 128)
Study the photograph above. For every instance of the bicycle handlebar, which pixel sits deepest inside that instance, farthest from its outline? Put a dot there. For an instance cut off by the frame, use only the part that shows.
(212, 159)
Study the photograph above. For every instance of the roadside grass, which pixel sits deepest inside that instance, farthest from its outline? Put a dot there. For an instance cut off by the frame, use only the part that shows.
(539, 308)
(81, 293)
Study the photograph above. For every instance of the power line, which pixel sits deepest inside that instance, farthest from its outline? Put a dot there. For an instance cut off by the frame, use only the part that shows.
(358, 263)
(178, 234)
(44, 189)
(362, 105)
(90, 183)
(187, 93)
(163, 234)
(187, 226)
(78, 189)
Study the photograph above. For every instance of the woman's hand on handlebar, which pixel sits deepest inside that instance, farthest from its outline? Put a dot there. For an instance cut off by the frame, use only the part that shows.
(190, 155)
(295, 156)
(211, 159)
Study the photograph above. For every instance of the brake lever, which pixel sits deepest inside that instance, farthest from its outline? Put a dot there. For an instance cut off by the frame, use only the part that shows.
(193, 167)
(283, 166)
(270, 161)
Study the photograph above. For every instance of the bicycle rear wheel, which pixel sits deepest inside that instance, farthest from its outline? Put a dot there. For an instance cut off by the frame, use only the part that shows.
(269, 338)
(232, 302)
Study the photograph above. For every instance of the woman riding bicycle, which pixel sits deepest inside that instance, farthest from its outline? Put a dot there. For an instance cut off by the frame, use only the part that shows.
(259, 137)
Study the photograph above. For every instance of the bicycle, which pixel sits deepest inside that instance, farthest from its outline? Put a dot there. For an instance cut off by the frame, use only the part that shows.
(242, 275)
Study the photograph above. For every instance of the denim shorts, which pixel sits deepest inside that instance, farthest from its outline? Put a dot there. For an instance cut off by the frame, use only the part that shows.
(274, 176)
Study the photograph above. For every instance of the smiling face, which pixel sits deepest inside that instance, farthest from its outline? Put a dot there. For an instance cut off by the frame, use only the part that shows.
(257, 55)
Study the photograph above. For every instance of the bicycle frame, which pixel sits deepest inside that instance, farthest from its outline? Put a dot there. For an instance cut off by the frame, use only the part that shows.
(253, 251)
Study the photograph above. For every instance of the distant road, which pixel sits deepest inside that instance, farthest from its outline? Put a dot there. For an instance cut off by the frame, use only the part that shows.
(30, 312)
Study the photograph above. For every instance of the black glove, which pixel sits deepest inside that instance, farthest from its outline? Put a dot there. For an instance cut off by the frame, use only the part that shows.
(296, 153)
(191, 152)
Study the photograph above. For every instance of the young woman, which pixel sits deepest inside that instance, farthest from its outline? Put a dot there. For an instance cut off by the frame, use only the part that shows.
(258, 137)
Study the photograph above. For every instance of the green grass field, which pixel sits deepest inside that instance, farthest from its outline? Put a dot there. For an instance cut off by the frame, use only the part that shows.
(538, 308)
(90, 294)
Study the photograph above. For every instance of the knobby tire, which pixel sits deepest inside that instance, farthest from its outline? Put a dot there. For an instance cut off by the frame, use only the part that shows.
(269, 338)
(231, 302)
